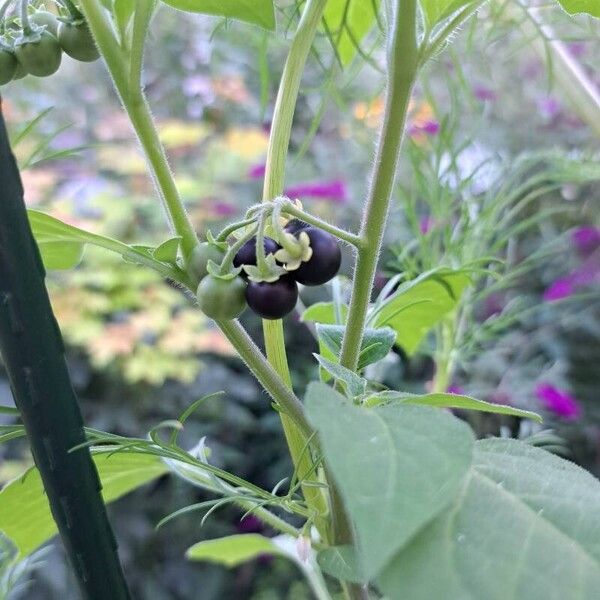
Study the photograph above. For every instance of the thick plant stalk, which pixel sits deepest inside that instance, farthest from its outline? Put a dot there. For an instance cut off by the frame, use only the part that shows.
(402, 71)
(33, 355)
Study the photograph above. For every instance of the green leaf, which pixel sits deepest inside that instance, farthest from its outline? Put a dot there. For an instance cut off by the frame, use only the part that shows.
(525, 527)
(61, 255)
(24, 512)
(123, 12)
(324, 312)
(355, 384)
(438, 10)
(375, 346)
(58, 241)
(418, 305)
(233, 550)
(167, 251)
(396, 467)
(347, 23)
(258, 12)
(574, 7)
(450, 401)
(341, 562)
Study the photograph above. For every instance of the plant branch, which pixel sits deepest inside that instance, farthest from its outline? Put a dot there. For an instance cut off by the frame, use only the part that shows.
(402, 69)
(279, 140)
(136, 105)
(266, 375)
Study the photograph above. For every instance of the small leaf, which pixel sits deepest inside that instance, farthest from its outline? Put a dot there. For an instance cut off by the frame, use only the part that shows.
(24, 512)
(60, 255)
(375, 346)
(397, 467)
(348, 22)
(324, 312)
(418, 305)
(438, 10)
(355, 384)
(441, 400)
(574, 7)
(341, 562)
(233, 550)
(167, 251)
(258, 12)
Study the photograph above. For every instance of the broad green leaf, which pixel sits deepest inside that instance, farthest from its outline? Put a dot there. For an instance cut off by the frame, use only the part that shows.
(525, 527)
(396, 466)
(376, 343)
(450, 401)
(167, 251)
(61, 255)
(258, 12)
(418, 305)
(324, 312)
(355, 384)
(348, 22)
(24, 512)
(438, 10)
(57, 242)
(574, 7)
(340, 562)
(233, 550)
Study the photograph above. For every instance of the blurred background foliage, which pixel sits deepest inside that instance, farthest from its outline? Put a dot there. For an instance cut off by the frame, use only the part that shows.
(489, 124)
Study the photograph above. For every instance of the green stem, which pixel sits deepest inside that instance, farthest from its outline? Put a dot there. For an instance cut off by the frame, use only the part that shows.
(402, 69)
(140, 116)
(25, 26)
(279, 140)
(342, 234)
(227, 262)
(227, 231)
(266, 375)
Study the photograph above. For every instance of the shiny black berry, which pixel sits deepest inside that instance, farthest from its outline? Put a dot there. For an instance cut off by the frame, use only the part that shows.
(295, 225)
(325, 260)
(272, 300)
(247, 253)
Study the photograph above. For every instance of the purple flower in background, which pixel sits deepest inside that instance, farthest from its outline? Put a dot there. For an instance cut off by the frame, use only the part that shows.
(561, 288)
(257, 171)
(558, 402)
(430, 127)
(455, 389)
(484, 93)
(221, 208)
(587, 274)
(493, 305)
(249, 524)
(549, 107)
(586, 239)
(426, 224)
(327, 190)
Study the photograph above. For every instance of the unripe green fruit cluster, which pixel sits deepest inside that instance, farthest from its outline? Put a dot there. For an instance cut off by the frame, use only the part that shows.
(40, 53)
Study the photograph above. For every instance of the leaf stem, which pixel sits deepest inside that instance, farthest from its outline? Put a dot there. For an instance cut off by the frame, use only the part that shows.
(402, 69)
(346, 236)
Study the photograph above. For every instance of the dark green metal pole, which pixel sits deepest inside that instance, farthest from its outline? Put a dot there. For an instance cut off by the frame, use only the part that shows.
(33, 354)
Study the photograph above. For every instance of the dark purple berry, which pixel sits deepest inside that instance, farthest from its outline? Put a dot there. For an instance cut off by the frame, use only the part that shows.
(295, 225)
(247, 253)
(272, 300)
(325, 260)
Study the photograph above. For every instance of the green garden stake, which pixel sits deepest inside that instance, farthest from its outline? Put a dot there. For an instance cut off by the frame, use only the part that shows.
(33, 355)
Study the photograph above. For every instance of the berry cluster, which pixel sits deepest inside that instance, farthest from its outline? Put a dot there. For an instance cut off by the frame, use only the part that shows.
(33, 43)
(224, 297)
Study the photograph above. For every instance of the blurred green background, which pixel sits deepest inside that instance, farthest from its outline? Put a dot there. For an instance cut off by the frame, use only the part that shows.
(140, 353)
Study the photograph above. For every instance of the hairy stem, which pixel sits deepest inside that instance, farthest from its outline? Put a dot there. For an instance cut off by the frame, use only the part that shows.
(266, 375)
(140, 116)
(402, 70)
(273, 186)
